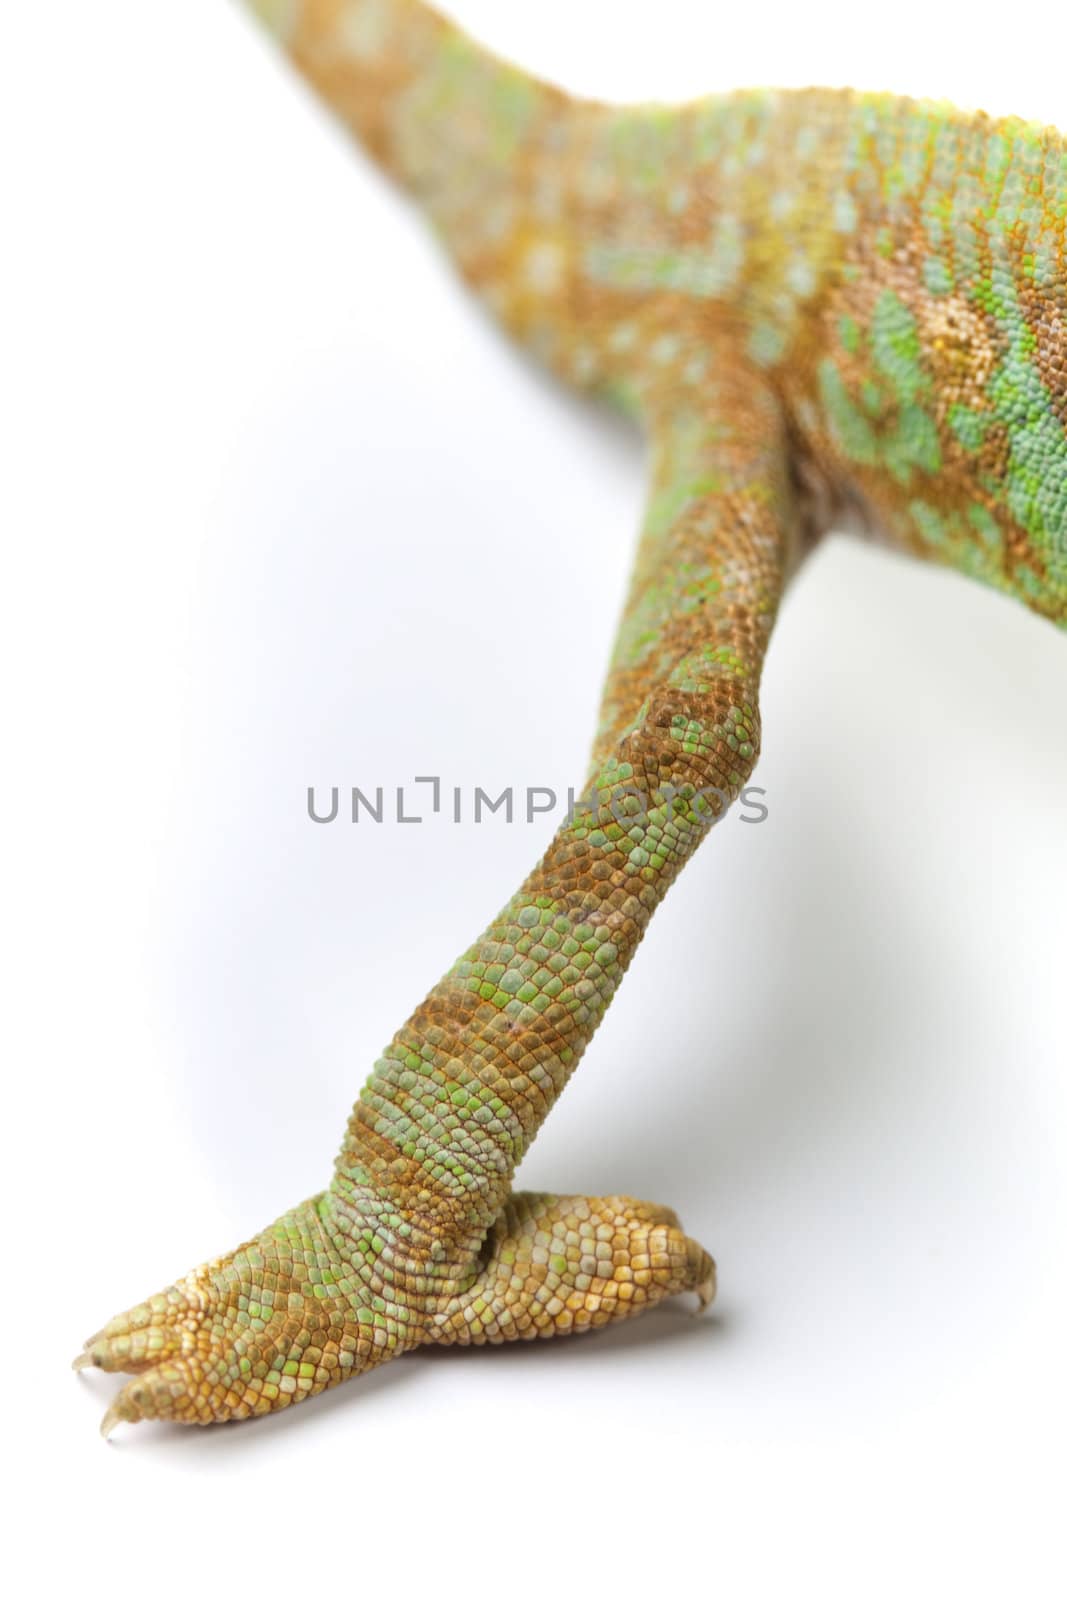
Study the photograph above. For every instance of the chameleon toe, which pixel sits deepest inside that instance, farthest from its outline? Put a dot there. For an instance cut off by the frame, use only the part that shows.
(558, 1265)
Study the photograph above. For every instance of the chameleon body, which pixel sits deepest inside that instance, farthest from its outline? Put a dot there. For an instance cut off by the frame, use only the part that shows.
(823, 306)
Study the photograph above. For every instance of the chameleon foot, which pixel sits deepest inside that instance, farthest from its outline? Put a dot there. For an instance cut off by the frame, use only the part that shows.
(289, 1314)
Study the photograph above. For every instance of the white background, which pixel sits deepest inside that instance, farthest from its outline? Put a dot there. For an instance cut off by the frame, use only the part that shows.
(279, 508)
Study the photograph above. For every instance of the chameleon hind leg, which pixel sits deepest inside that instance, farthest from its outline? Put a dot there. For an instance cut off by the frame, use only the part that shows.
(418, 1238)
(721, 531)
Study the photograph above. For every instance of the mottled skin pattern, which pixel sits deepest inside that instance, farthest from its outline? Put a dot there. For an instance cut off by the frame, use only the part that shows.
(823, 306)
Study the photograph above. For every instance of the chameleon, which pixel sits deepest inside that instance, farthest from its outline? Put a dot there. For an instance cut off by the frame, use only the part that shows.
(824, 309)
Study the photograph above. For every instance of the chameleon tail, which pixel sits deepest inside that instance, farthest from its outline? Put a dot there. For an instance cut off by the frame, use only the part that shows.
(491, 154)
(434, 108)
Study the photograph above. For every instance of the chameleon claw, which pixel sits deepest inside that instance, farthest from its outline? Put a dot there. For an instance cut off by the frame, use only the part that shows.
(80, 1363)
(126, 1407)
(705, 1290)
(111, 1419)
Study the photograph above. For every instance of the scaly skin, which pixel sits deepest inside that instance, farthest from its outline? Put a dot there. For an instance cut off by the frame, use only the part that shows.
(820, 305)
